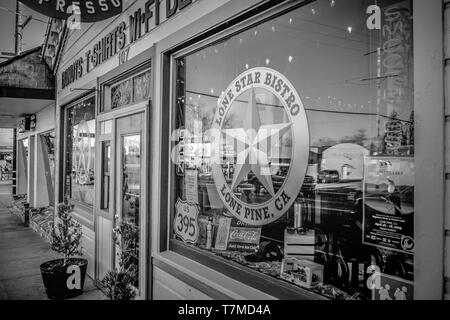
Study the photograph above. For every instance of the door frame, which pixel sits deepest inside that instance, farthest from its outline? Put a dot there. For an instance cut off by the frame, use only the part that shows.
(135, 65)
(144, 108)
(117, 194)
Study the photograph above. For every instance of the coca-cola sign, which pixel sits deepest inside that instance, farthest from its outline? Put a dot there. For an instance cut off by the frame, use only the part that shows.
(244, 238)
(244, 235)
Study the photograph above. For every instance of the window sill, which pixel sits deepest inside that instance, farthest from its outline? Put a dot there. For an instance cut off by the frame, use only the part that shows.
(245, 283)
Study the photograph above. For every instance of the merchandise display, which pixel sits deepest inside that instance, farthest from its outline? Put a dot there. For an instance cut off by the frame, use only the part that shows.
(299, 243)
(302, 272)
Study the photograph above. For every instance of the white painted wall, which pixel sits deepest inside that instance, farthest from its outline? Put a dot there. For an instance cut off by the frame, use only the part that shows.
(6, 138)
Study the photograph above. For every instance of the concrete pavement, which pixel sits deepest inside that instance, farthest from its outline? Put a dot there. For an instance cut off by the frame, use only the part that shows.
(5, 188)
(21, 253)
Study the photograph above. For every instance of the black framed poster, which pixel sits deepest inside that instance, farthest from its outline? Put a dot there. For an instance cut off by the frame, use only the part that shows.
(388, 216)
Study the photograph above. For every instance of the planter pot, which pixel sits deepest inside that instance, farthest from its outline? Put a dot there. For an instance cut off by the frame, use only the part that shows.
(61, 283)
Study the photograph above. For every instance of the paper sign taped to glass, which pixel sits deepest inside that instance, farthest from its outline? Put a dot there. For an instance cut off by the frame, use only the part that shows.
(388, 214)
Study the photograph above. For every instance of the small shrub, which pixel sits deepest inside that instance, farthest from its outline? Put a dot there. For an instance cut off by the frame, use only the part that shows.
(118, 286)
(119, 283)
(66, 234)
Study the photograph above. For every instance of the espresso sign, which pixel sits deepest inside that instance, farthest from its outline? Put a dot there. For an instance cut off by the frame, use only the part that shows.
(90, 10)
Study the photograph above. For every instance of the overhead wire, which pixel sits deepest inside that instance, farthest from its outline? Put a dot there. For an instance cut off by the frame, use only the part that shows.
(25, 16)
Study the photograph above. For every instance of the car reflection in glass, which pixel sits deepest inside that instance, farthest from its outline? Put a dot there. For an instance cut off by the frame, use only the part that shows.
(328, 176)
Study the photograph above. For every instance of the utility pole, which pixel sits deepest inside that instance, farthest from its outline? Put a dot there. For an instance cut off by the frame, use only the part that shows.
(19, 29)
(17, 51)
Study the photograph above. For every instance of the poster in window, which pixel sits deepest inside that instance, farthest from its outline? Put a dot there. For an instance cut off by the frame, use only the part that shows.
(191, 184)
(388, 216)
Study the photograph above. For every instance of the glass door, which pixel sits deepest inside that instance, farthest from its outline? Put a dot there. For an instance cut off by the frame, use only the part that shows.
(129, 228)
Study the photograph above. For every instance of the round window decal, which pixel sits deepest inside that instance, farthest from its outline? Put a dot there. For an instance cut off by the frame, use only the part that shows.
(251, 157)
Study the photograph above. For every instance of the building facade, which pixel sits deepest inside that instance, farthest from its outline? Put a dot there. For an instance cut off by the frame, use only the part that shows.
(259, 149)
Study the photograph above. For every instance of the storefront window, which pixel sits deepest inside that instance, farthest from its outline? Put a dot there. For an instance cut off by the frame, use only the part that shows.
(80, 151)
(294, 149)
(48, 148)
(141, 87)
(132, 90)
(23, 157)
(121, 94)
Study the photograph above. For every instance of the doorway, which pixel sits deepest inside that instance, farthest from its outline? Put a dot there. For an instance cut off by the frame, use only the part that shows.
(121, 232)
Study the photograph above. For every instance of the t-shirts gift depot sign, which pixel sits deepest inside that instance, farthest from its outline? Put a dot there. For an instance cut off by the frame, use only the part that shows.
(88, 10)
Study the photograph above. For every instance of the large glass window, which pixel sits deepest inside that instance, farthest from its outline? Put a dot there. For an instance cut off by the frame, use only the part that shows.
(23, 159)
(80, 151)
(48, 148)
(294, 149)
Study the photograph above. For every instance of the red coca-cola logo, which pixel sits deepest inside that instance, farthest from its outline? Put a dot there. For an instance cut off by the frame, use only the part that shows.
(244, 235)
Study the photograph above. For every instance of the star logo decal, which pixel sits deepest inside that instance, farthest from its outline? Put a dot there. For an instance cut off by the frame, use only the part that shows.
(253, 139)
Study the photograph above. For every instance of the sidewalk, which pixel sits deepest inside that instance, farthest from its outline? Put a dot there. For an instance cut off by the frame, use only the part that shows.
(21, 253)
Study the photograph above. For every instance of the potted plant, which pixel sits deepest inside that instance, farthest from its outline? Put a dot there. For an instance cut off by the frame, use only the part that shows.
(64, 278)
(119, 284)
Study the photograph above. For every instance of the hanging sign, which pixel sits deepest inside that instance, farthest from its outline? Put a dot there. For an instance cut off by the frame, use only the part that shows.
(90, 10)
(396, 60)
(388, 218)
(256, 150)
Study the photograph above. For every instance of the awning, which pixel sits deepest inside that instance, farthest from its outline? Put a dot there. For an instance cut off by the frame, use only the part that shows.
(27, 86)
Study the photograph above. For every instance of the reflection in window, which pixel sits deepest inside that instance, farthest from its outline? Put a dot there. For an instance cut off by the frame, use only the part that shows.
(106, 174)
(141, 87)
(128, 225)
(80, 151)
(132, 90)
(48, 147)
(24, 147)
(121, 94)
(357, 88)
